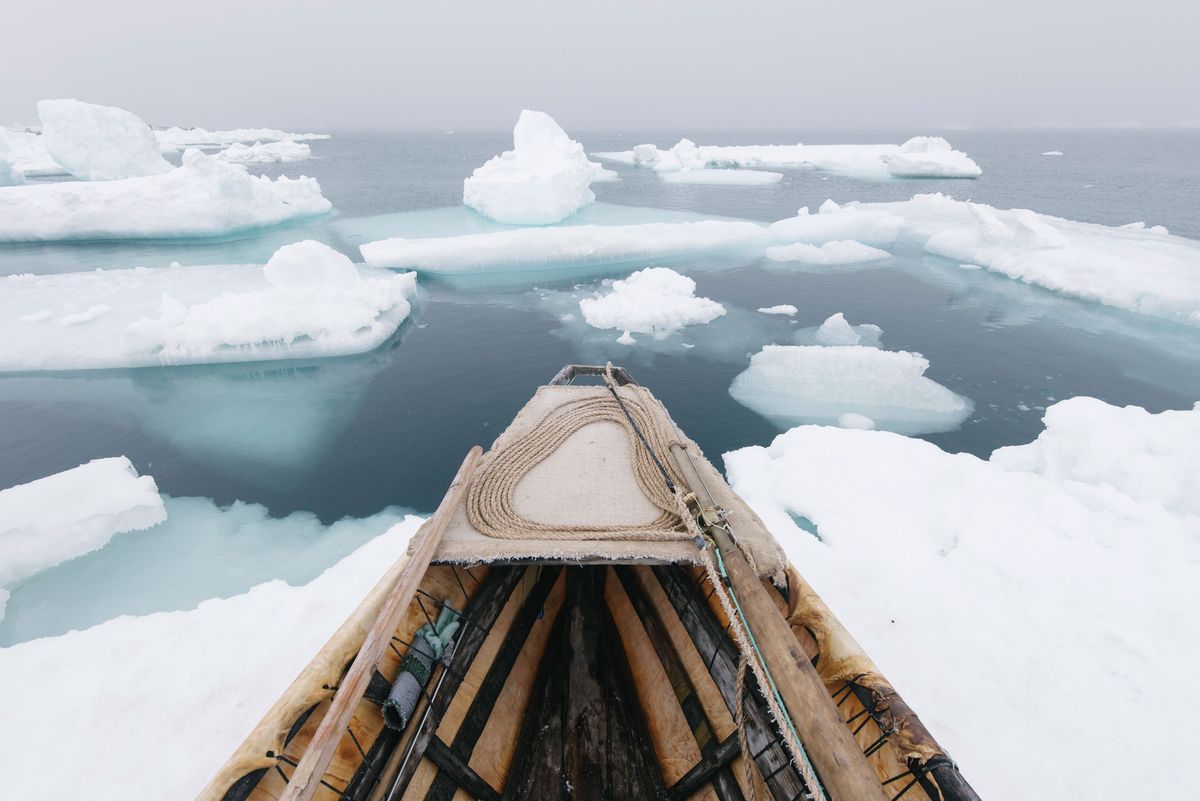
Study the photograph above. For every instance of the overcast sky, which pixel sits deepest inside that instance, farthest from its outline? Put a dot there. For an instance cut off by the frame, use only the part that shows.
(612, 65)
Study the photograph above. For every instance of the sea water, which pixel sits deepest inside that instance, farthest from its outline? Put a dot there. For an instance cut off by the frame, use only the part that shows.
(353, 436)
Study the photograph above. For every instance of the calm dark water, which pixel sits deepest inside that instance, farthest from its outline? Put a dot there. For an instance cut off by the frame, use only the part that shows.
(352, 436)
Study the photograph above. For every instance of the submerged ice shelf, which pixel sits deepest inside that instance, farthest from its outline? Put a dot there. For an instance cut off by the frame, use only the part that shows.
(307, 301)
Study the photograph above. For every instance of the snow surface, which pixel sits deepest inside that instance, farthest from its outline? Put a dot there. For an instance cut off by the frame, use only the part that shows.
(59, 517)
(532, 249)
(783, 308)
(171, 139)
(723, 177)
(308, 300)
(1062, 573)
(656, 300)
(202, 198)
(1133, 267)
(27, 152)
(919, 157)
(172, 693)
(838, 251)
(792, 384)
(834, 222)
(545, 178)
(99, 143)
(265, 152)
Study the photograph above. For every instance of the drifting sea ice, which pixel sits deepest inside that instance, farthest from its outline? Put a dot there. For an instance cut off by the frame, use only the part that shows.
(543, 179)
(27, 152)
(836, 330)
(562, 249)
(173, 139)
(63, 516)
(783, 308)
(793, 384)
(238, 654)
(723, 177)
(1133, 267)
(837, 251)
(99, 143)
(205, 197)
(1052, 575)
(834, 222)
(308, 300)
(656, 300)
(265, 152)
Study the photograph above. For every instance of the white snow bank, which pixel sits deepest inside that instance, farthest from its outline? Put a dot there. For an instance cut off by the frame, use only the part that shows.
(218, 668)
(71, 513)
(920, 156)
(838, 251)
(99, 143)
(783, 308)
(656, 300)
(723, 177)
(543, 179)
(204, 197)
(266, 152)
(307, 301)
(179, 138)
(1013, 595)
(578, 245)
(837, 331)
(1140, 269)
(791, 384)
(834, 222)
(27, 153)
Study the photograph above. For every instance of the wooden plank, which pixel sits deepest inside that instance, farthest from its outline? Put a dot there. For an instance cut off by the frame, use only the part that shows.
(835, 756)
(307, 776)
(450, 764)
(706, 770)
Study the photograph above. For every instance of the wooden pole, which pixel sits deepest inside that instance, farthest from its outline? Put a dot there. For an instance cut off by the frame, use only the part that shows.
(831, 747)
(312, 766)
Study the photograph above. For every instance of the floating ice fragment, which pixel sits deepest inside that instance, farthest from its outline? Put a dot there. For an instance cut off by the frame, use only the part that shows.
(171, 139)
(626, 339)
(656, 300)
(1053, 153)
(265, 152)
(839, 251)
(99, 143)
(783, 308)
(837, 331)
(930, 157)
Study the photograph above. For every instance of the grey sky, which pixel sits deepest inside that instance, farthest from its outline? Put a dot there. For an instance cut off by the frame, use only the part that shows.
(614, 64)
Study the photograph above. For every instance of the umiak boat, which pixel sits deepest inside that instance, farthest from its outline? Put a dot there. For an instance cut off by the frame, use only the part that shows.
(591, 613)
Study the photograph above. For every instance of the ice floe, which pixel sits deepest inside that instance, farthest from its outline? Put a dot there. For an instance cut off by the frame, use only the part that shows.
(783, 308)
(238, 655)
(1135, 267)
(266, 152)
(10, 175)
(656, 300)
(545, 178)
(99, 143)
(834, 222)
(309, 300)
(1052, 575)
(533, 250)
(836, 330)
(63, 516)
(175, 138)
(205, 197)
(837, 251)
(921, 156)
(26, 151)
(792, 384)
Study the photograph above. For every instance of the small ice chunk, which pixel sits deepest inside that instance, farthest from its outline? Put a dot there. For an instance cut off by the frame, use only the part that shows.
(1053, 153)
(858, 421)
(626, 339)
(99, 143)
(71, 513)
(969, 267)
(265, 152)
(837, 331)
(545, 178)
(839, 251)
(783, 308)
(656, 300)
(601, 174)
(930, 157)
(794, 384)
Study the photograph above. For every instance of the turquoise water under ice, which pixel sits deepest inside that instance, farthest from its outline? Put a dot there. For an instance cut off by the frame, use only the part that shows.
(354, 435)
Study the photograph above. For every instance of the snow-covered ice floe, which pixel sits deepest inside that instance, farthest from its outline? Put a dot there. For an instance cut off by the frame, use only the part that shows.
(545, 178)
(834, 223)
(27, 153)
(238, 655)
(837, 251)
(783, 308)
(919, 157)
(793, 384)
(836, 330)
(172, 139)
(1133, 267)
(656, 301)
(265, 152)
(205, 197)
(553, 248)
(308, 300)
(99, 143)
(68, 514)
(1052, 575)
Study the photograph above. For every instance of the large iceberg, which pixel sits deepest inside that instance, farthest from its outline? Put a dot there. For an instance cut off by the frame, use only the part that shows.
(1039, 581)
(204, 197)
(308, 300)
(534, 249)
(265, 152)
(919, 157)
(793, 384)
(99, 143)
(66, 515)
(171, 139)
(238, 655)
(1133, 267)
(545, 178)
(656, 300)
